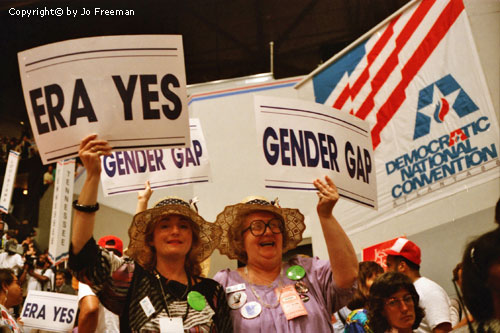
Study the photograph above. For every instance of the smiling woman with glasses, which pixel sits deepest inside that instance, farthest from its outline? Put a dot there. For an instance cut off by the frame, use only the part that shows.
(393, 304)
(269, 295)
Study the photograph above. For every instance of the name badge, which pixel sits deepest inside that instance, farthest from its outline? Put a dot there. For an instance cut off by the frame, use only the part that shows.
(171, 325)
(236, 287)
(291, 303)
(147, 306)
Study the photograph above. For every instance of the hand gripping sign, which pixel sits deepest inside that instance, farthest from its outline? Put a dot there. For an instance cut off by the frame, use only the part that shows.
(127, 171)
(302, 141)
(131, 90)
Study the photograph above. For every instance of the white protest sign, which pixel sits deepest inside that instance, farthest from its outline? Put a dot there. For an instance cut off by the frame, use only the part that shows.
(60, 225)
(8, 181)
(131, 90)
(127, 171)
(302, 141)
(54, 312)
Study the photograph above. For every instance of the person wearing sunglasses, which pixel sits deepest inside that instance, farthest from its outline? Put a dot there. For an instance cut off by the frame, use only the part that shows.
(269, 295)
(393, 304)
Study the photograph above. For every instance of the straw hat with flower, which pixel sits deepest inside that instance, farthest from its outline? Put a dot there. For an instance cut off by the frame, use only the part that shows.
(208, 233)
(231, 219)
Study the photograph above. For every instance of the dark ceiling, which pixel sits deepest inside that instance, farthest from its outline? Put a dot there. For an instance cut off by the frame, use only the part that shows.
(222, 38)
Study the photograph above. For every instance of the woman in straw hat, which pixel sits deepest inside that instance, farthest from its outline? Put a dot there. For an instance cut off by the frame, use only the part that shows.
(268, 295)
(158, 286)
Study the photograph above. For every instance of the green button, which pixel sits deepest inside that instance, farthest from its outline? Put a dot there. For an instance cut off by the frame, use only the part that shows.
(295, 272)
(196, 300)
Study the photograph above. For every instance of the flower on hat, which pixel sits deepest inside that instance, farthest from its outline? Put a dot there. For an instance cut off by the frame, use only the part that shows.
(231, 218)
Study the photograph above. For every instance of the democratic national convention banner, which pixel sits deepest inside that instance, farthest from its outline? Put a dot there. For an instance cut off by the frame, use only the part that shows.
(131, 90)
(128, 171)
(9, 181)
(302, 141)
(60, 225)
(55, 312)
(417, 80)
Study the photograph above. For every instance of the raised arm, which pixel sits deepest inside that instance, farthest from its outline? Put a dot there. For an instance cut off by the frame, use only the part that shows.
(143, 198)
(340, 250)
(91, 149)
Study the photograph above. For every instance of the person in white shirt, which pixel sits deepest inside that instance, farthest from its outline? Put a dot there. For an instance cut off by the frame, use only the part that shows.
(11, 259)
(404, 257)
(94, 317)
(39, 275)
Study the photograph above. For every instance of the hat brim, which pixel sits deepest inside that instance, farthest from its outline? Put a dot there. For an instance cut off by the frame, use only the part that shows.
(209, 233)
(229, 219)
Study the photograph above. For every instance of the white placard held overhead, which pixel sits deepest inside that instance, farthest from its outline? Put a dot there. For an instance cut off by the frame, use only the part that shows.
(9, 180)
(301, 141)
(127, 171)
(54, 312)
(131, 90)
(60, 226)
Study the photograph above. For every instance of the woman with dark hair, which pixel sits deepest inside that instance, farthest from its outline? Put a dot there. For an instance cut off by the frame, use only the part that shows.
(11, 294)
(368, 272)
(158, 287)
(393, 304)
(481, 282)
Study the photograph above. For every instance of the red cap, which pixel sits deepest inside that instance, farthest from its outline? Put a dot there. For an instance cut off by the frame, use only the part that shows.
(405, 248)
(111, 243)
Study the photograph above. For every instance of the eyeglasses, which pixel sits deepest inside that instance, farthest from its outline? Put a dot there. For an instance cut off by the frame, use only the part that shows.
(394, 302)
(258, 227)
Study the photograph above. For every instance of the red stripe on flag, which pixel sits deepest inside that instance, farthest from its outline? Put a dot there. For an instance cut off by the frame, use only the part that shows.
(424, 50)
(360, 82)
(392, 61)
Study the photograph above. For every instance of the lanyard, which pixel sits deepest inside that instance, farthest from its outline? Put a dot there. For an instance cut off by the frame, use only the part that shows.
(182, 297)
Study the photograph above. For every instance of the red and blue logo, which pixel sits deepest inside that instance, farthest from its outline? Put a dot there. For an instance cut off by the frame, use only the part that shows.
(434, 103)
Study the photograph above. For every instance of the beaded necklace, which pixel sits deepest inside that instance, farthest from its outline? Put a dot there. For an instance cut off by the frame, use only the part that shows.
(280, 284)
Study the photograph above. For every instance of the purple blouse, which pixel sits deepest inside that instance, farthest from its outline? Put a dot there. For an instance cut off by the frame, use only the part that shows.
(325, 298)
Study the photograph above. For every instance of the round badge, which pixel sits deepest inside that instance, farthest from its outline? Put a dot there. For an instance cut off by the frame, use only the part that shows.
(295, 272)
(301, 287)
(236, 300)
(196, 300)
(251, 310)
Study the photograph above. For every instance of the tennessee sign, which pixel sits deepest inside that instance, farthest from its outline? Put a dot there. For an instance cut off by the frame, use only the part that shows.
(302, 141)
(127, 171)
(117, 86)
(9, 180)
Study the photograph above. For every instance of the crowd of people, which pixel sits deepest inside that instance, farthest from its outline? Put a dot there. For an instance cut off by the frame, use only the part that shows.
(157, 284)
(24, 146)
(23, 267)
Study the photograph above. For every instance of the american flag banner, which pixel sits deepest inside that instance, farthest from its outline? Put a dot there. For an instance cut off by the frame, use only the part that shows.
(416, 78)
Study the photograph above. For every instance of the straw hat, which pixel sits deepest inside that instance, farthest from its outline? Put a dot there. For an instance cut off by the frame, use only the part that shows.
(232, 217)
(209, 233)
